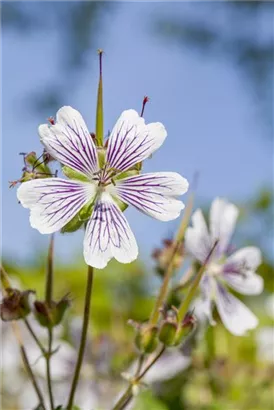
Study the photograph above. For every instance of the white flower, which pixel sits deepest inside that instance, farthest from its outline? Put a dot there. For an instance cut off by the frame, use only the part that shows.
(236, 270)
(53, 202)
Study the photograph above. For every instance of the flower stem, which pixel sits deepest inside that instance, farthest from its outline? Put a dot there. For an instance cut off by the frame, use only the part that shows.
(170, 267)
(99, 110)
(27, 365)
(128, 394)
(189, 297)
(32, 377)
(37, 341)
(83, 338)
(48, 297)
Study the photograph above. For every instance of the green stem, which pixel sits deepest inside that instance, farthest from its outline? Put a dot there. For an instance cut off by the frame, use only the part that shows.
(48, 297)
(49, 277)
(189, 297)
(32, 377)
(83, 338)
(170, 267)
(127, 396)
(37, 341)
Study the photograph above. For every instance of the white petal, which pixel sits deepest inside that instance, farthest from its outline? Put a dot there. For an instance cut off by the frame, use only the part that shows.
(236, 317)
(249, 257)
(53, 202)
(132, 141)
(248, 283)
(197, 239)
(223, 216)
(238, 271)
(153, 194)
(69, 141)
(108, 235)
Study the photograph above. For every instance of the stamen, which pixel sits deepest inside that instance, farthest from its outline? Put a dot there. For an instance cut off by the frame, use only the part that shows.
(145, 101)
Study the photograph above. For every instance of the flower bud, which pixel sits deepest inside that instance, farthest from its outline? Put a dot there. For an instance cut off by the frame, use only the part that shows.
(146, 338)
(51, 315)
(163, 256)
(167, 332)
(185, 328)
(16, 305)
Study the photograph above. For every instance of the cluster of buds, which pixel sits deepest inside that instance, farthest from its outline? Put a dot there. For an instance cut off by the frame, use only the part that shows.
(51, 314)
(163, 255)
(16, 304)
(170, 331)
(35, 167)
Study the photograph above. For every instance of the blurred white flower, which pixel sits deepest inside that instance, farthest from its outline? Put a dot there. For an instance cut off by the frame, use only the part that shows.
(236, 270)
(265, 343)
(269, 306)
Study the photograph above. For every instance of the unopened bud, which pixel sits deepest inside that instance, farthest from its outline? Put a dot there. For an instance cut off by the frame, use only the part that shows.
(185, 328)
(167, 332)
(146, 338)
(51, 315)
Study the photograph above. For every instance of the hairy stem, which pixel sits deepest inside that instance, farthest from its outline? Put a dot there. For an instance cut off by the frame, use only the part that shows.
(83, 338)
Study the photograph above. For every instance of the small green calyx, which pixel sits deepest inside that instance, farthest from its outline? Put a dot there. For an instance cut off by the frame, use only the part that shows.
(16, 304)
(50, 315)
(146, 338)
(167, 332)
(79, 219)
(185, 328)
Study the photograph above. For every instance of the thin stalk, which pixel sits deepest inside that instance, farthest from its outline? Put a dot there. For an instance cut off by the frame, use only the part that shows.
(83, 338)
(127, 396)
(37, 341)
(48, 297)
(31, 376)
(189, 297)
(49, 277)
(170, 267)
(27, 365)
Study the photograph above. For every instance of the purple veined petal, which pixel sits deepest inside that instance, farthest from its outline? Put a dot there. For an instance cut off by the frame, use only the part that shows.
(108, 235)
(197, 239)
(236, 317)
(239, 271)
(222, 220)
(53, 202)
(153, 194)
(69, 141)
(132, 141)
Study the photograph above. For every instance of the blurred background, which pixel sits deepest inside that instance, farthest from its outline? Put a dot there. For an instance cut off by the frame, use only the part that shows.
(208, 70)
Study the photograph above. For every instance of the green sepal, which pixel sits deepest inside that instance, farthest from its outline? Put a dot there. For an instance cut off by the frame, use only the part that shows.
(79, 219)
(73, 225)
(126, 174)
(72, 174)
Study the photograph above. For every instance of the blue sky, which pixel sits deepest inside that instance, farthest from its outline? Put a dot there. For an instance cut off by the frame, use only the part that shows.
(212, 124)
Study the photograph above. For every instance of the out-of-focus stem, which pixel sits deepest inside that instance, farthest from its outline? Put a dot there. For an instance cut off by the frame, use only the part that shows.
(83, 338)
(27, 365)
(170, 267)
(33, 334)
(189, 297)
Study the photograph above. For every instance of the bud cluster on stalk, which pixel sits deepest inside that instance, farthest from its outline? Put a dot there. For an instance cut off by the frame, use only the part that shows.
(170, 331)
(163, 255)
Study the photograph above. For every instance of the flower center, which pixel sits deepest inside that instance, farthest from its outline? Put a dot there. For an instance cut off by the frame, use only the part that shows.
(214, 269)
